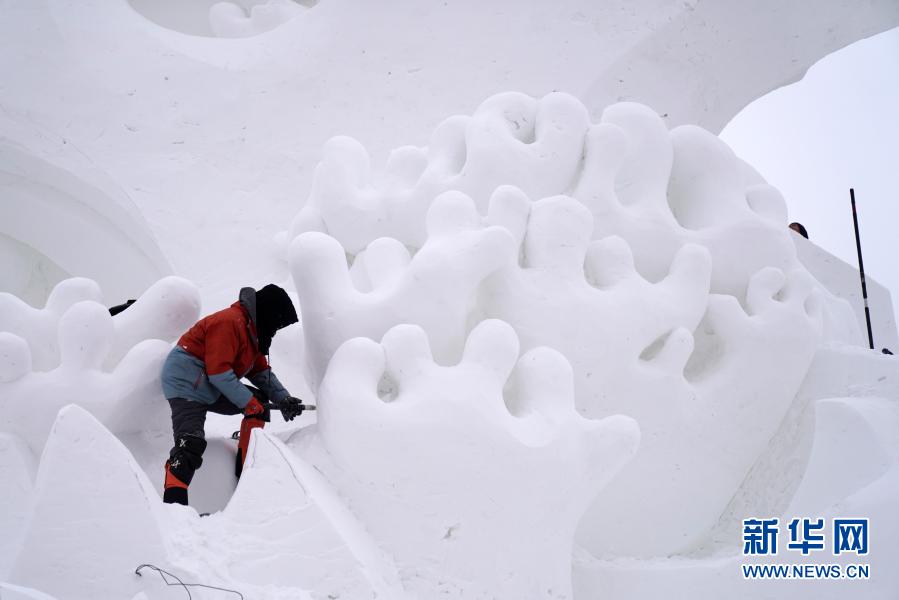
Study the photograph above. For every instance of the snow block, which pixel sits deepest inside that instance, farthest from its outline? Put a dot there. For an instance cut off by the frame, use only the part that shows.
(15, 357)
(475, 492)
(873, 455)
(94, 518)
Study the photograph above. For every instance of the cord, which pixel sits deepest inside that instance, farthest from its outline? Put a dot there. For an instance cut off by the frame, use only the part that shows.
(177, 581)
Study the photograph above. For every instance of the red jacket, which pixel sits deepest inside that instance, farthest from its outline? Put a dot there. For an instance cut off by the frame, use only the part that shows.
(226, 340)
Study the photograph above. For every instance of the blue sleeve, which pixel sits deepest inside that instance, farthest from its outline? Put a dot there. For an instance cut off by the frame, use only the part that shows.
(268, 383)
(231, 387)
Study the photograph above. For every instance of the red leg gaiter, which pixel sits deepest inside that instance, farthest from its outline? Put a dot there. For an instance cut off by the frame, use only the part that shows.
(246, 427)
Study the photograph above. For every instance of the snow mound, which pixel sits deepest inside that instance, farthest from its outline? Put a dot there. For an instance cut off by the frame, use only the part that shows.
(90, 497)
(437, 460)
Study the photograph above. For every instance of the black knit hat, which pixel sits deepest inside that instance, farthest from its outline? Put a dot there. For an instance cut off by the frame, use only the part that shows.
(274, 311)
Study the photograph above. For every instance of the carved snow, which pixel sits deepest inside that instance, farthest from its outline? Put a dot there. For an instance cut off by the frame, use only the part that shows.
(473, 493)
(95, 516)
(163, 312)
(435, 289)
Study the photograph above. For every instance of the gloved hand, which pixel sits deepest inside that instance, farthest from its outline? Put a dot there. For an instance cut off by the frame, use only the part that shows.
(290, 408)
(254, 408)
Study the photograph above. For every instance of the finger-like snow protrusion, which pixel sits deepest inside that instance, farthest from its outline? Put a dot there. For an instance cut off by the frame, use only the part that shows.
(165, 311)
(452, 212)
(675, 351)
(605, 148)
(493, 346)
(558, 232)
(690, 274)
(642, 179)
(408, 351)
(544, 384)
(451, 435)
(15, 357)
(85, 335)
(385, 261)
(762, 289)
(510, 208)
(608, 262)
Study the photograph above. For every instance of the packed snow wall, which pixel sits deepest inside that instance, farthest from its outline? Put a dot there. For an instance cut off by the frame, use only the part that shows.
(843, 281)
(61, 215)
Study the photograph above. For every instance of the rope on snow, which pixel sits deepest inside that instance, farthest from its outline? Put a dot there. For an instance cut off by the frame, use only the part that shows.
(177, 581)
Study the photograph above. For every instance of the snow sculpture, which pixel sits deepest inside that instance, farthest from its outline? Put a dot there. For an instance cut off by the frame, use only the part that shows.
(706, 424)
(15, 357)
(439, 466)
(91, 497)
(230, 20)
(656, 189)
(572, 294)
(659, 190)
(163, 312)
(667, 279)
(38, 326)
(126, 399)
(629, 342)
(511, 139)
(434, 289)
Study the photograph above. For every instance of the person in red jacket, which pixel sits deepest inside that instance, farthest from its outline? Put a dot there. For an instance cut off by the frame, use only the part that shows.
(202, 374)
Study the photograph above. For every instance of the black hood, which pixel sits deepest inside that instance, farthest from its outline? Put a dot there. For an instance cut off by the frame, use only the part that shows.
(270, 309)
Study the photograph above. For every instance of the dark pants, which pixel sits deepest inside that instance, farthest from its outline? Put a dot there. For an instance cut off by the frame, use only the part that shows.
(189, 417)
(186, 456)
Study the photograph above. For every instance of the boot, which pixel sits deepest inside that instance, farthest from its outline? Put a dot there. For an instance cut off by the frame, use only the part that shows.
(184, 460)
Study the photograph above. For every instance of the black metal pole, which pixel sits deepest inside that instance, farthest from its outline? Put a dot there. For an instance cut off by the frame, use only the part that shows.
(861, 268)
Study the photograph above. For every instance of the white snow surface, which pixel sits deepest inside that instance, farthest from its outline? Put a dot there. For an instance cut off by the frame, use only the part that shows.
(561, 351)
